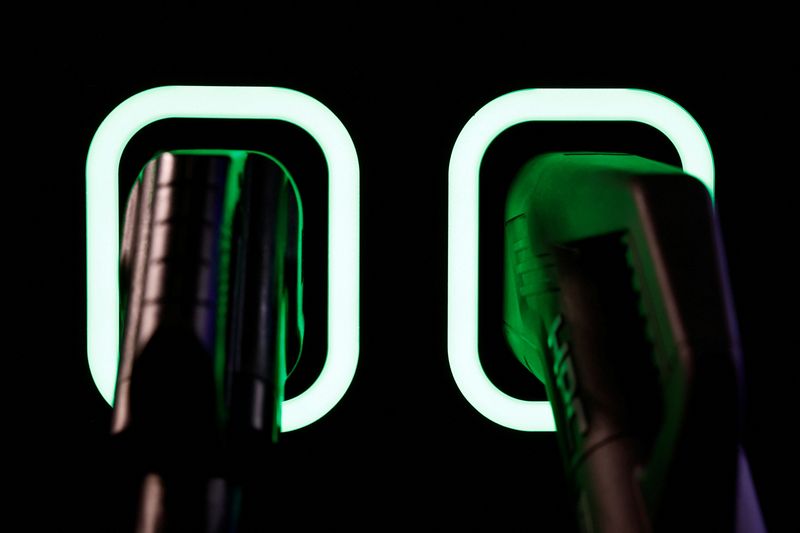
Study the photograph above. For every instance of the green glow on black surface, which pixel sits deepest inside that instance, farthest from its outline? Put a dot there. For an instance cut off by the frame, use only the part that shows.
(102, 224)
(463, 207)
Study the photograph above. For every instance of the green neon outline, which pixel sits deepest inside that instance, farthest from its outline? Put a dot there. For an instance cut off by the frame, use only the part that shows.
(508, 110)
(102, 226)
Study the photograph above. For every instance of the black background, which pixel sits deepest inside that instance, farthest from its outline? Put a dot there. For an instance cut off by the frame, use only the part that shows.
(403, 449)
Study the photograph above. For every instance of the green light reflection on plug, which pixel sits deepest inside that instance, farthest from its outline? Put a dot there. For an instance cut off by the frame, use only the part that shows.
(102, 225)
(463, 208)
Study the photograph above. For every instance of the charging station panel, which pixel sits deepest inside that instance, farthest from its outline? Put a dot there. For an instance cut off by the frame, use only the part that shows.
(402, 446)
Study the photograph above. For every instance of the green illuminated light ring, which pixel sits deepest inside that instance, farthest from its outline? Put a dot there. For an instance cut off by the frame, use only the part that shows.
(463, 202)
(102, 231)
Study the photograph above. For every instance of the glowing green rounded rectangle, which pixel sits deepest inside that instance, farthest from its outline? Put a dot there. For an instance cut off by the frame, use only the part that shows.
(102, 224)
(463, 190)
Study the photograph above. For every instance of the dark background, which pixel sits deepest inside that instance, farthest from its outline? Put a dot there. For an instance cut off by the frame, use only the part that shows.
(403, 449)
